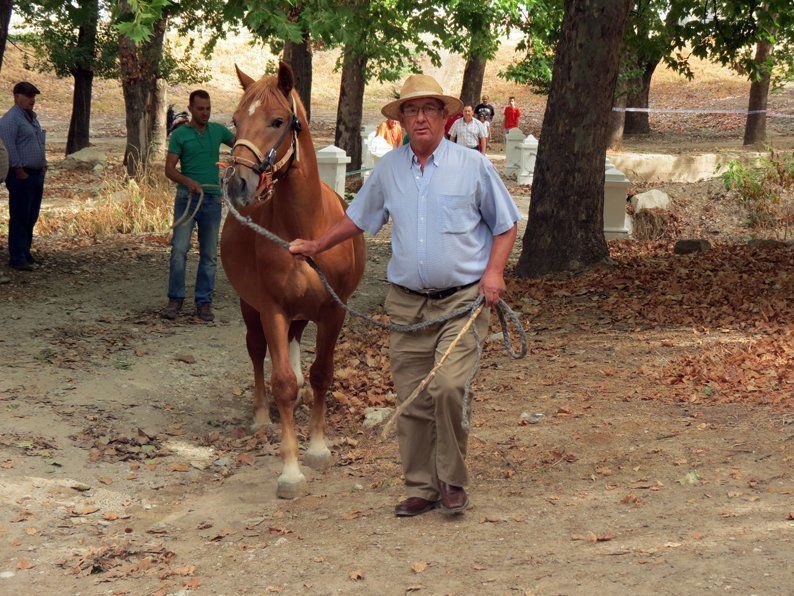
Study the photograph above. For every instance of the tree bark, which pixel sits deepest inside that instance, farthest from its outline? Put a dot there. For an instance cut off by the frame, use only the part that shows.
(473, 74)
(6, 8)
(566, 214)
(617, 120)
(755, 126)
(139, 69)
(299, 57)
(350, 107)
(158, 112)
(78, 136)
(638, 122)
(79, 133)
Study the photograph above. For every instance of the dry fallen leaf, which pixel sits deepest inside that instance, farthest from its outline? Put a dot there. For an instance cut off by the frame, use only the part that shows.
(110, 516)
(31, 531)
(356, 575)
(592, 537)
(419, 566)
(183, 571)
(179, 468)
(25, 564)
(85, 510)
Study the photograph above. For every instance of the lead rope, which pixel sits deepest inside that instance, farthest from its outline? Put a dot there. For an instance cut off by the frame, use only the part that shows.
(503, 311)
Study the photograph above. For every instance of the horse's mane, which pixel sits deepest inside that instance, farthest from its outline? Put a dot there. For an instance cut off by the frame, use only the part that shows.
(266, 90)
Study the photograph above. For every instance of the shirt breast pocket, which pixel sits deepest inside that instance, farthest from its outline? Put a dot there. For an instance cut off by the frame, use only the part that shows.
(458, 214)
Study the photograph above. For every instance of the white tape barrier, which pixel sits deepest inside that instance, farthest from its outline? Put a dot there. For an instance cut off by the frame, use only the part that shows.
(685, 111)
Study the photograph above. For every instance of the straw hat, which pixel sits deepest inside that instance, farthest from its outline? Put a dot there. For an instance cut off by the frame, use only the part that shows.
(418, 86)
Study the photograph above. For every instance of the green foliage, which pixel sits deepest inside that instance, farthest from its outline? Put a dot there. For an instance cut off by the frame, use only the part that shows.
(540, 22)
(765, 191)
(56, 41)
(136, 18)
(727, 31)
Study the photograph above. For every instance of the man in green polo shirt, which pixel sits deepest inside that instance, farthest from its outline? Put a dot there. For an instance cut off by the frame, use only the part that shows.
(196, 146)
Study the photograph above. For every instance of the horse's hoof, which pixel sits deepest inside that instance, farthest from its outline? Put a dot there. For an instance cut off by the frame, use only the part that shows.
(292, 488)
(305, 396)
(261, 420)
(319, 461)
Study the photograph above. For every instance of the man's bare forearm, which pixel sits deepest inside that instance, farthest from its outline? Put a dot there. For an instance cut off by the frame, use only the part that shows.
(339, 232)
(500, 251)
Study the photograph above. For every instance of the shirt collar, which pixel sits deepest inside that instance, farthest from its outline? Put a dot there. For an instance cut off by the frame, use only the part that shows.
(436, 158)
(29, 115)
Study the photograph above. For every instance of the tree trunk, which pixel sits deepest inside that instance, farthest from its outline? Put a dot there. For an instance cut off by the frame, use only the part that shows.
(158, 112)
(617, 121)
(299, 57)
(566, 214)
(638, 122)
(79, 133)
(6, 7)
(755, 126)
(350, 108)
(471, 90)
(80, 124)
(139, 69)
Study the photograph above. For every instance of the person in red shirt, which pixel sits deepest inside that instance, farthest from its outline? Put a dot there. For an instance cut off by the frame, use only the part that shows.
(450, 121)
(512, 114)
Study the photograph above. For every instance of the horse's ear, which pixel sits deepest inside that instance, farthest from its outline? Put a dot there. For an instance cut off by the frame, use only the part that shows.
(245, 80)
(286, 80)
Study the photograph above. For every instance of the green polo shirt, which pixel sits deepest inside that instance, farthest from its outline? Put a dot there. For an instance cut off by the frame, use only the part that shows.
(199, 152)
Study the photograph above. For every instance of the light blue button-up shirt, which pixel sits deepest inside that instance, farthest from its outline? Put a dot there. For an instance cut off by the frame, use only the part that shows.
(443, 219)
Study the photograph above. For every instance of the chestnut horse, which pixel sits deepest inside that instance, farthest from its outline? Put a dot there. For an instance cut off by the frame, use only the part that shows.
(274, 180)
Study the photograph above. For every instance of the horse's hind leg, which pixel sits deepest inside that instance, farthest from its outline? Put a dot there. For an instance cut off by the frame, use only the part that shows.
(321, 375)
(257, 349)
(295, 334)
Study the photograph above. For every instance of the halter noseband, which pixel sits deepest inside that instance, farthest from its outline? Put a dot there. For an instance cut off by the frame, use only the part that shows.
(266, 166)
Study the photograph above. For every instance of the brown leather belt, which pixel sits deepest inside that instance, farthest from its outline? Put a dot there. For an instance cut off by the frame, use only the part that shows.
(436, 294)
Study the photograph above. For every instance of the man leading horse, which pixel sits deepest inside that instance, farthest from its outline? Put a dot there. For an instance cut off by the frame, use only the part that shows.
(453, 226)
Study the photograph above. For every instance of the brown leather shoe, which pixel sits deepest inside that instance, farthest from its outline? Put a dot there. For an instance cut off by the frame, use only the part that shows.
(172, 310)
(204, 312)
(414, 506)
(453, 498)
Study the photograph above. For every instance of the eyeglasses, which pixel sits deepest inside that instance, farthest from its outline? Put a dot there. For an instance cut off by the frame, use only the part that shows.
(429, 110)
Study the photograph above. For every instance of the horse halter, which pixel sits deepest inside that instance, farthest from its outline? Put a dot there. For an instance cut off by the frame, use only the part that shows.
(267, 167)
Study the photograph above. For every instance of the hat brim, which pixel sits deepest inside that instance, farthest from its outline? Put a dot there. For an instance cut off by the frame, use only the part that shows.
(453, 105)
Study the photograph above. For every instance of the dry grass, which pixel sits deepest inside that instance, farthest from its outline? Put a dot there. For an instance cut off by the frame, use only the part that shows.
(122, 206)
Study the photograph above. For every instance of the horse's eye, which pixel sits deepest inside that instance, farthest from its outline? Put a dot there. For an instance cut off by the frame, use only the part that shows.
(278, 122)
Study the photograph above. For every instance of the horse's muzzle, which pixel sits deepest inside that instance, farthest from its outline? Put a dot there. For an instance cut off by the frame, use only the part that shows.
(241, 187)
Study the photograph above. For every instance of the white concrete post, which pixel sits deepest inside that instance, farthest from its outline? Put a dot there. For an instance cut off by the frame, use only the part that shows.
(331, 162)
(528, 153)
(616, 187)
(366, 155)
(513, 139)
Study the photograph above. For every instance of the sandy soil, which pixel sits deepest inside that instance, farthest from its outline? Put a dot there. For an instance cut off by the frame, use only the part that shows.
(126, 465)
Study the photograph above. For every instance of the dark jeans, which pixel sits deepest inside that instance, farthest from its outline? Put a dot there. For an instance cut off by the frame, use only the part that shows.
(208, 220)
(24, 204)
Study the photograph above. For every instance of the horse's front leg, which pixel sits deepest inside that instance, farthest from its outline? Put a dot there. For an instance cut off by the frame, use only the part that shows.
(321, 375)
(284, 387)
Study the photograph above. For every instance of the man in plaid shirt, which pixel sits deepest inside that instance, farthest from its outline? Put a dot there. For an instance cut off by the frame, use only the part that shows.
(468, 131)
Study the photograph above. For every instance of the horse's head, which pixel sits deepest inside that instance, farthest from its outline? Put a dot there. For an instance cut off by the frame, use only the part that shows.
(267, 126)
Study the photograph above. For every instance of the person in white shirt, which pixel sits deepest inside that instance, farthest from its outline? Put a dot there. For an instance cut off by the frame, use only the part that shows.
(469, 132)
(482, 118)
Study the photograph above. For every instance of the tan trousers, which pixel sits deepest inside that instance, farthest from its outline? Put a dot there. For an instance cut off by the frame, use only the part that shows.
(431, 437)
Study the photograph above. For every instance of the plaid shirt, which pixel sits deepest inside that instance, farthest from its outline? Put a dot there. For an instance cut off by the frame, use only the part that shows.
(469, 134)
(24, 139)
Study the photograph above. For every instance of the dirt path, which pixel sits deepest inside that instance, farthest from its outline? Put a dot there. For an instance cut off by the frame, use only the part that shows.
(126, 466)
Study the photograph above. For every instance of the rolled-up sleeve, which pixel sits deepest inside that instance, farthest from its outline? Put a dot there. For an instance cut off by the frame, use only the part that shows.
(368, 208)
(496, 206)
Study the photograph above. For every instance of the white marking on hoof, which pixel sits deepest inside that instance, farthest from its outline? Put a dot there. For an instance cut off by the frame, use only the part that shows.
(292, 483)
(254, 105)
(295, 361)
(305, 396)
(318, 460)
(261, 420)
